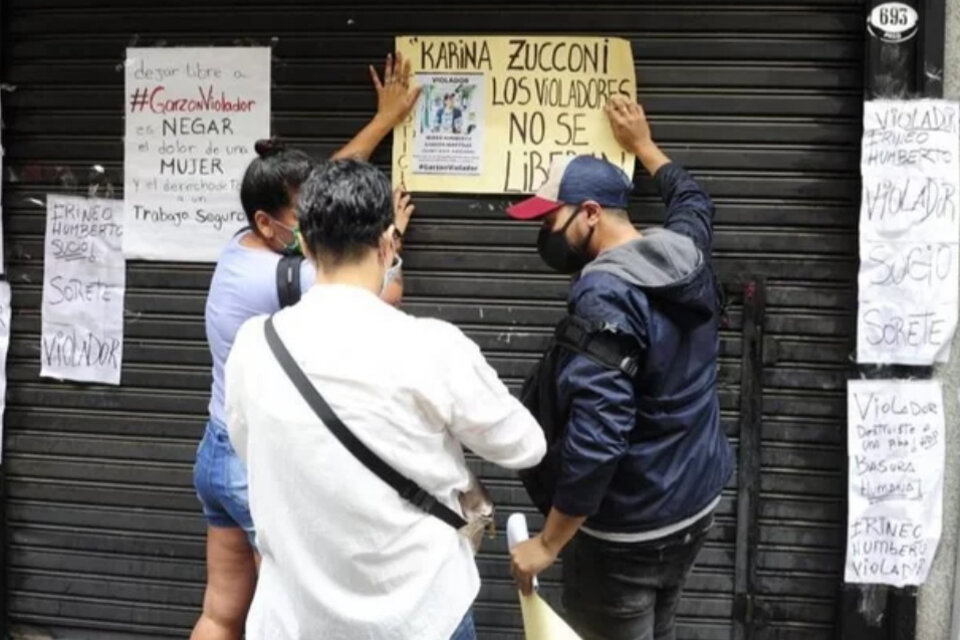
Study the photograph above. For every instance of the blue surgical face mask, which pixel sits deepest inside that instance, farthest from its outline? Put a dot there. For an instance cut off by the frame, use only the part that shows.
(391, 273)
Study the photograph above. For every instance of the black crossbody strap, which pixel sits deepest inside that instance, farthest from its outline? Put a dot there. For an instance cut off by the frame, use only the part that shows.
(288, 280)
(606, 348)
(408, 489)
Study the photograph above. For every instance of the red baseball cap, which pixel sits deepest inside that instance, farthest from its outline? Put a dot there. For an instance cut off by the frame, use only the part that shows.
(547, 198)
(572, 180)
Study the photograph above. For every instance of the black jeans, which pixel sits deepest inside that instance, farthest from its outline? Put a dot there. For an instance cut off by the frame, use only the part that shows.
(619, 591)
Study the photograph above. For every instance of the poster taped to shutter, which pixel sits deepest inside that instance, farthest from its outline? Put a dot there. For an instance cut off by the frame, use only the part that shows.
(3, 268)
(909, 232)
(895, 442)
(5, 317)
(192, 118)
(84, 279)
(495, 111)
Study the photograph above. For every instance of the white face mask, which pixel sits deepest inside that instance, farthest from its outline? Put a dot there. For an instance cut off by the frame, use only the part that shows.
(391, 273)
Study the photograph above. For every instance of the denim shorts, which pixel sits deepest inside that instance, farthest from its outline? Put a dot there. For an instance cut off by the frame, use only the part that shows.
(221, 481)
(466, 630)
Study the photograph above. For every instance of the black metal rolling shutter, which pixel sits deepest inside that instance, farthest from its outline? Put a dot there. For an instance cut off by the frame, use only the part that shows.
(103, 534)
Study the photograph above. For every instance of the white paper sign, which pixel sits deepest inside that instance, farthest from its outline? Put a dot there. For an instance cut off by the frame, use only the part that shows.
(909, 232)
(4, 312)
(192, 118)
(895, 440)
(83, 286)
(914, 137)
(4, 349)
(3, 264)
(3, 268)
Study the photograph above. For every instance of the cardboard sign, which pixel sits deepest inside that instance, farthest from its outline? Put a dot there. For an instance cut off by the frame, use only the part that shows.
(496, 110)
(192, 118)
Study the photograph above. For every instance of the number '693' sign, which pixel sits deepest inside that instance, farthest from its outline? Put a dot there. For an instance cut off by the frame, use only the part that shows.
(893, 22)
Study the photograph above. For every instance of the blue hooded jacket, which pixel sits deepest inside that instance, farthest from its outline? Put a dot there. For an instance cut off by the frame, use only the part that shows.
(644, 453)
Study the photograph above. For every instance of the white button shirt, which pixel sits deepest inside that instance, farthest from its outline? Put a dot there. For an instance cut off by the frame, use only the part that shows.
(344, 556)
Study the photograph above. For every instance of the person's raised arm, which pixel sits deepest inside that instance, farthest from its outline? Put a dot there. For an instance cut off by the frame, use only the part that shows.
(632, 131)
(395, 99)
(689, 208)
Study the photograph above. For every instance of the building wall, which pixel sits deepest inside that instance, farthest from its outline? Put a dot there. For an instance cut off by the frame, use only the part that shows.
(935, 602)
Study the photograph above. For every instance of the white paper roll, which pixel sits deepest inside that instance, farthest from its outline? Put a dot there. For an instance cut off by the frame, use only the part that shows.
(517, 530)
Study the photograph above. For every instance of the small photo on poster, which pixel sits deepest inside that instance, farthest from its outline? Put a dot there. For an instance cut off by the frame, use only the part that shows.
(448, 136)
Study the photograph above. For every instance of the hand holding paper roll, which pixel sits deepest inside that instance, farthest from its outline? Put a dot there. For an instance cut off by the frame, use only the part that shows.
(528, 557)
(517, 532)
(540, 622)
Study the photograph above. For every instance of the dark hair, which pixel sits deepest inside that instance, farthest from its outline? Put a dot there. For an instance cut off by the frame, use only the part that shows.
(271, 177)
(344, 207)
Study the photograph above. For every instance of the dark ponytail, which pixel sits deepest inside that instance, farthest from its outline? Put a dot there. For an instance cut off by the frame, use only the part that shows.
(271, 178)
(267, 147)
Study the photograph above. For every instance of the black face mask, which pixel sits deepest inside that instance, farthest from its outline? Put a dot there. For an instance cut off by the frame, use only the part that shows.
(557, 252)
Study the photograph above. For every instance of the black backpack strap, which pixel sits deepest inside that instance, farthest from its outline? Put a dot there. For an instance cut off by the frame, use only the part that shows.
(604, 347)
(408, 489)
(288, 280)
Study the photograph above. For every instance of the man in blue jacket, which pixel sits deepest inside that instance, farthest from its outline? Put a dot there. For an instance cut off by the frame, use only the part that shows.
(643, 459)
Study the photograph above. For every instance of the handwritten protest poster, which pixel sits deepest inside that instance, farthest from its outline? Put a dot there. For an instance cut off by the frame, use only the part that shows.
(192, 118)
(909, 232)
(5, 300)
(895, 440)
(83, 286)
(496, 110)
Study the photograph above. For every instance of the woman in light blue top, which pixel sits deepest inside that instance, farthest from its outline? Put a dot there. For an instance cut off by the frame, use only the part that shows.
(244, 285)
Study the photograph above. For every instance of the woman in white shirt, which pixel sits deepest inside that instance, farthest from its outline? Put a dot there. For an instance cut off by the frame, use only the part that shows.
(344, 556)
